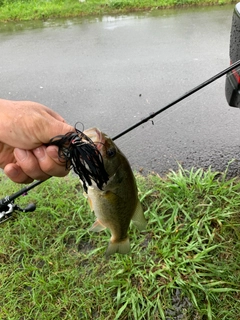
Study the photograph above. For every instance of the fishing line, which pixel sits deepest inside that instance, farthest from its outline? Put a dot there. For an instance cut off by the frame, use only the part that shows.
(182, 104)
(127, 139)
(185, 103)
(192, 99)
(87, 160)
(170, 124)
(187, 94)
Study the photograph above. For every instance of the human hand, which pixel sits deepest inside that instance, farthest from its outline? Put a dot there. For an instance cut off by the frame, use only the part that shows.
(25, 127)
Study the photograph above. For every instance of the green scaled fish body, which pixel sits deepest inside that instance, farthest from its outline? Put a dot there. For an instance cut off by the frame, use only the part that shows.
(117, 204)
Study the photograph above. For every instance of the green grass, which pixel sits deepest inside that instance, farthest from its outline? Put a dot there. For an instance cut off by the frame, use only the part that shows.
(185, 263)
(44, 9)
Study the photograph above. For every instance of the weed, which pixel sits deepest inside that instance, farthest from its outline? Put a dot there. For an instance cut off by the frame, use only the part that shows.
(185, 265)
(42, 9)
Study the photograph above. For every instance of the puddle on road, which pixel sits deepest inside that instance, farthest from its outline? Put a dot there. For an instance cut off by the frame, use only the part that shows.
(110, 21)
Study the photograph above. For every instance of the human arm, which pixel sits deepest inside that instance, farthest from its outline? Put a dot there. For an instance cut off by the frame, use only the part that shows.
(25, 128)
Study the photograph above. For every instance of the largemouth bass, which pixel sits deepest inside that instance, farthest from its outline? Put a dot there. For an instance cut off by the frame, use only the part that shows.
(117, 203)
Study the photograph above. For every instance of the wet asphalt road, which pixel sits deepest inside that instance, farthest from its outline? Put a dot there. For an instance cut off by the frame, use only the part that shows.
(111, 72)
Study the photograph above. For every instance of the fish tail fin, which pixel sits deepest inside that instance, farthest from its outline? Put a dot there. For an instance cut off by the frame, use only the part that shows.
(138, 218)
(122, 247)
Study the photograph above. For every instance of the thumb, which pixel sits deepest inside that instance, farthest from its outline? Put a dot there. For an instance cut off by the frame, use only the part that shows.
(53, 130)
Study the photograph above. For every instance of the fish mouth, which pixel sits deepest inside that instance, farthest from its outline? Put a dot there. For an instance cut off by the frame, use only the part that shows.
(96, 136)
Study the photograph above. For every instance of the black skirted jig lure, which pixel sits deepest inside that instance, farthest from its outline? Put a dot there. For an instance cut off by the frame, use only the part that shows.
(81, 155)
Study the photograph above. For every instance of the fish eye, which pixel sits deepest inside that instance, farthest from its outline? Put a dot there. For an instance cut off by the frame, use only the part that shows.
(111, 152)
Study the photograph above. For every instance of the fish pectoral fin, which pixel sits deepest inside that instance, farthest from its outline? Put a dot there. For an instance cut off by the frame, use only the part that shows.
(122, 247)
(90, 203)
(97, 226)
(111, 197)
(138, 218)
(89, 200)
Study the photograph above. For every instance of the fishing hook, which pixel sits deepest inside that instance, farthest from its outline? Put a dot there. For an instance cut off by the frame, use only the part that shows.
(7, 205)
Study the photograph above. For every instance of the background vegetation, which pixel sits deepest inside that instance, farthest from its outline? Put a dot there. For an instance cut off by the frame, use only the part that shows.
(44, 9)
(184, 266)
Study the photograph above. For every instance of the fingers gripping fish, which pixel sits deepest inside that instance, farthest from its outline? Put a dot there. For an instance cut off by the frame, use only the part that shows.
(117, 203)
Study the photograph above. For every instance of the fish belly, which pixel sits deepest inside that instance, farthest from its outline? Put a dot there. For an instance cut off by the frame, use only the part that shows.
(111, 212)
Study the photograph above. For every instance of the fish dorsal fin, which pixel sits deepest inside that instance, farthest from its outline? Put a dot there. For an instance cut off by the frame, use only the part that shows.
(138, 218)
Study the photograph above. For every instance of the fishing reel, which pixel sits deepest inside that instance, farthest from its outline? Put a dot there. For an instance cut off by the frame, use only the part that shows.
(80, 153)
(8, 209)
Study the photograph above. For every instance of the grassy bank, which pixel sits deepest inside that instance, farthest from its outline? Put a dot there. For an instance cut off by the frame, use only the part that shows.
(185, 264)
(44, 9)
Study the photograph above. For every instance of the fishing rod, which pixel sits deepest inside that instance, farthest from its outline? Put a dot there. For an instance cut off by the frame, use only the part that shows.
(7, 205)
(184, 96)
